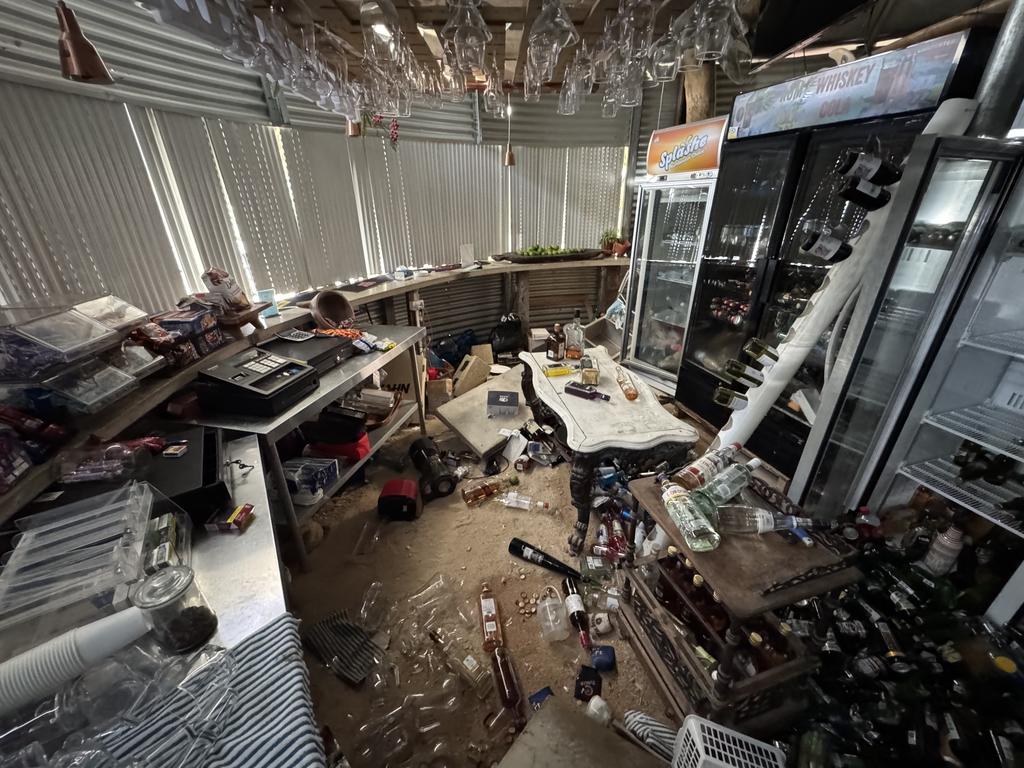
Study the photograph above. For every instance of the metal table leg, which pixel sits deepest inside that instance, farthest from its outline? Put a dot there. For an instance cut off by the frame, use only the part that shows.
(417, 389)
(277, 473)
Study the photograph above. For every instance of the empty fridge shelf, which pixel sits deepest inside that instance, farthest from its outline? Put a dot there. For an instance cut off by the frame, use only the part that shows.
(872, 385)
(1007, 342)
(990, 427)
(939, 475)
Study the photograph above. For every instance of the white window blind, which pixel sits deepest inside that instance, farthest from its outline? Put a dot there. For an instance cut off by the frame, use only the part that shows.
(377, 168)
(593, 195)
(256, 179)
(456, 196)
(325, 203)
(537, 184)
(78, 215)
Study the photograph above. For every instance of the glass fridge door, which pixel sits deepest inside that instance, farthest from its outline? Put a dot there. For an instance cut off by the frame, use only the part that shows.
(817, 205)
(942, 231)
(674, 220)
(751, 186)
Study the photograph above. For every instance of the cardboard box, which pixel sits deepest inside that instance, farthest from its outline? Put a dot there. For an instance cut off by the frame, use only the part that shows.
(484, 352)
(439, 392)
(472, 372)
(399, 376)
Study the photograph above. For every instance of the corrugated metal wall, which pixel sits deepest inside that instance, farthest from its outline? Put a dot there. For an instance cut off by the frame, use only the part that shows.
(153, 64)
(476, 304)
(555, 294)
(538, 124)
(452, 122)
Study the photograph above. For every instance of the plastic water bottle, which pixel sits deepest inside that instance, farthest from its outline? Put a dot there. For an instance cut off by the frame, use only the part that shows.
(700, 536)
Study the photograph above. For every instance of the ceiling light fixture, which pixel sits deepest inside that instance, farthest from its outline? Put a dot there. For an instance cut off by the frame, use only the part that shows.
(79, 59)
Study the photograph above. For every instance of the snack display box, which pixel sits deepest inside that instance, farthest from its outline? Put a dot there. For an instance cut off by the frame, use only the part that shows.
(37, 345)
(112, 312)
(92, 386)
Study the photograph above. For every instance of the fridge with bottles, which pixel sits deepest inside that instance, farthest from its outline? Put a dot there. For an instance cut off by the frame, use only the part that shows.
(927, 409)
(777, 184)
(673, 203)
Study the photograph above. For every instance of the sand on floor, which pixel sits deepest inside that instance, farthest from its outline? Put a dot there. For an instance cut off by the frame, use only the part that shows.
(470, 546)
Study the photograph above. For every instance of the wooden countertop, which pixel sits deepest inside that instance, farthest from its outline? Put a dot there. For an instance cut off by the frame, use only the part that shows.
(742, 566)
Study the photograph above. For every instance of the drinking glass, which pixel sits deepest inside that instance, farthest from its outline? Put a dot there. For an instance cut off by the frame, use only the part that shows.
(665, 58)
(713, 31)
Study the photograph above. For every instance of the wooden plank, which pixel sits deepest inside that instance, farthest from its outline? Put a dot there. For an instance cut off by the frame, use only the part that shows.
(742, 566)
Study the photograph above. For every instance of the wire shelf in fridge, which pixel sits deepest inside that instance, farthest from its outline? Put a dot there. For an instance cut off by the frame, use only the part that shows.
(996, 429)
(1006, 342)
(981, 498)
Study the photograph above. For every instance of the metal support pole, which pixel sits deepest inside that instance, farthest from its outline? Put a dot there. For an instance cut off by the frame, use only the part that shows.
(1002, 87)
(284, 497)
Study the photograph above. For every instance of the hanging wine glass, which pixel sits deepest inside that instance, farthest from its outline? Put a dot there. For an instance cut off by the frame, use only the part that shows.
(609, 106)
(467, 34)
(713, 29)
(665, 54)
(552, 31)
(453, 84)
(243, 44)
(584, 63)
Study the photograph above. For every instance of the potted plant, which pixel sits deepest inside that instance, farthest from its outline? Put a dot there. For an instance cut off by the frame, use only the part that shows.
(613, 244)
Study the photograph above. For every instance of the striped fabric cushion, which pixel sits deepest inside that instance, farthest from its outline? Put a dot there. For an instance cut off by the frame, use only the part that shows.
(656, 735)
(264, 712)
(343, 646)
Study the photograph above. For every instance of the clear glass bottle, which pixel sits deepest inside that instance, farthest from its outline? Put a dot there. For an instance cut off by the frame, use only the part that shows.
(745, 519)
(626, 384)
(478, 491)
(700, 536)
(698, 472)
(574, 338)
(518, 500)
(462, 662)
(730, 481)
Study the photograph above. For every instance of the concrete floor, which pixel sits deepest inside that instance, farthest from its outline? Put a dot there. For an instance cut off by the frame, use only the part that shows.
(469, 545)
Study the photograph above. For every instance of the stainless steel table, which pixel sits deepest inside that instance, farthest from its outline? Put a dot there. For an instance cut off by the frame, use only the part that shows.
(333, 384)
(240, 574)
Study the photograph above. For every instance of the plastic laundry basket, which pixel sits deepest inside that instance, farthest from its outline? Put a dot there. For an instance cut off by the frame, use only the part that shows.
(701, 743)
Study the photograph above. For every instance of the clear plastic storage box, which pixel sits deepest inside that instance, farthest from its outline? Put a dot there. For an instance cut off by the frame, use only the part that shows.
(90, 387)
(112, 312)
(30, 348)
(135, 360)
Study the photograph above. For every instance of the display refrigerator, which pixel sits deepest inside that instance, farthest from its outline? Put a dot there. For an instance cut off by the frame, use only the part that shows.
(673, 204)
(778, 183)
(928, 392)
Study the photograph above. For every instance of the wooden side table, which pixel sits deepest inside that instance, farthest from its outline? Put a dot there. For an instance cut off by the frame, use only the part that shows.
(751, 576)
(639, 433)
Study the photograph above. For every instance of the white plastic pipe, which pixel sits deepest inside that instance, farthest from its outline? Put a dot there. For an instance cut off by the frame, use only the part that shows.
(39, 672)
(951, 118)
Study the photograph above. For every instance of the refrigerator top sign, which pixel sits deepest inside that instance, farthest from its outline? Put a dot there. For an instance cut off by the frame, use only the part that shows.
(904, 80)
(692, 149)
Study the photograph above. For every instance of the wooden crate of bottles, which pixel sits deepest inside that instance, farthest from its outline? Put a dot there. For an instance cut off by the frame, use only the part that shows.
(683, 632)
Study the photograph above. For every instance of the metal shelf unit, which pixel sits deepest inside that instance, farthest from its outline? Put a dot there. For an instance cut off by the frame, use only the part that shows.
(940, 476)
(996, 429)
(1006, 342)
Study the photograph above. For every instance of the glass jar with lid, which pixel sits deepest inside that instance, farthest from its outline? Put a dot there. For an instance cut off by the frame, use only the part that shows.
(175, 609)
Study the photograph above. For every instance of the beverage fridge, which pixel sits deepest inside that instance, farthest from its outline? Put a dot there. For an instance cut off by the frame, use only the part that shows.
(673, 203)
(778, 183)
(926, 396)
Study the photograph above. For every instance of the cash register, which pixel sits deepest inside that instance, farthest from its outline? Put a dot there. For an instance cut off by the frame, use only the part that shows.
(255, 382)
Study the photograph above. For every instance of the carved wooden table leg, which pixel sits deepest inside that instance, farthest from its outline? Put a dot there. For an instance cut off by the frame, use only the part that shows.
(581, 482)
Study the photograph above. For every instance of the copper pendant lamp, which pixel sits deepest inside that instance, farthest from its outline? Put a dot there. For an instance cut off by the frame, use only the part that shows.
(510, 156)
(79, 59)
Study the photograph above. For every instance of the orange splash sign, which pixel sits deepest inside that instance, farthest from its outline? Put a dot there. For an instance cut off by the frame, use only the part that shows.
(690, 148)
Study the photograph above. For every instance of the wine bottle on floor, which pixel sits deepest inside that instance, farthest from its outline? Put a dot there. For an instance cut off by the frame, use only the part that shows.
(531, 554)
